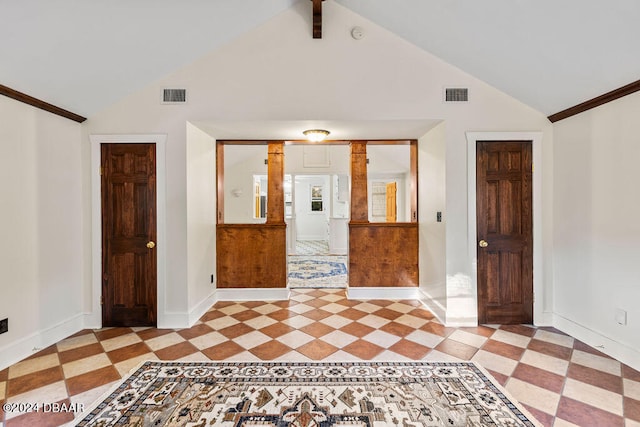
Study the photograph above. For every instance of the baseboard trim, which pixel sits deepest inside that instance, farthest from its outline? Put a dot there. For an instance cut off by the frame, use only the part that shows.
(200, 309)
(621, 352)
(252, 294)
(544, 319)
(461, 322)
(383, 293)
(174, 320)
(25, 347)
(434, 306)
(92, 320)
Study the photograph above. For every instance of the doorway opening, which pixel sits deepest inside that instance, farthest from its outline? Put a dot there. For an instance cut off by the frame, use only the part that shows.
(316, 195)
(258, 231)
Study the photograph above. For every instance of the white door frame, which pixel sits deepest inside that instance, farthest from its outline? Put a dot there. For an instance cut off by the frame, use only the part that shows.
(93, 319)
(538, 272)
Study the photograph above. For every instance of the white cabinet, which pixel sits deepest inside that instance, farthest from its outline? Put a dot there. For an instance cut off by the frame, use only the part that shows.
(291, 235)
(338, 236)
(343, 188)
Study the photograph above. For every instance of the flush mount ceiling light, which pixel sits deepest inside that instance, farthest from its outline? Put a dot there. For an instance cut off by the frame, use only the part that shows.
(316, 135)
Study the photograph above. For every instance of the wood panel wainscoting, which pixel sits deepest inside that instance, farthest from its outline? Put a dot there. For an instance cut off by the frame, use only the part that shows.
(383, 254)
(251, 255)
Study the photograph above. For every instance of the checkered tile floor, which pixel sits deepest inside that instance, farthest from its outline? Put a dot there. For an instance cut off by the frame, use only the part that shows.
(312, 247)
(561, 381)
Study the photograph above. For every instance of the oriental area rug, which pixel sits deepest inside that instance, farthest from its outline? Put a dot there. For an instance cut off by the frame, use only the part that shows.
(349, 394)
(318, 271)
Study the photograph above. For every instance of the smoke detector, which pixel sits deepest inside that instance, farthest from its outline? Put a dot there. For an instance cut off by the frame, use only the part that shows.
(357, 33)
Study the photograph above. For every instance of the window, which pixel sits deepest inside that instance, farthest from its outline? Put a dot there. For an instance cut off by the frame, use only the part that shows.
(316, 198)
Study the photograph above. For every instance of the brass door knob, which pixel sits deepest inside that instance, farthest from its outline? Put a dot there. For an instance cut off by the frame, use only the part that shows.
(483, 243)
(151, 245)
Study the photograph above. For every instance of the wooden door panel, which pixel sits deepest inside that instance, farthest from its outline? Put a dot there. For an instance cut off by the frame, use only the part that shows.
(504, 221)
(125, 270)
(508, 201)
(510, 271)
(504, 268)
(492, 262)
(129, 225)
(122, 272)
(491, 208)
(262, 249)
(383, 255)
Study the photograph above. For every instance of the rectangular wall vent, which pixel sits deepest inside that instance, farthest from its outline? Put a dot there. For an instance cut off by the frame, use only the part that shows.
(456, 94)
(174, 96)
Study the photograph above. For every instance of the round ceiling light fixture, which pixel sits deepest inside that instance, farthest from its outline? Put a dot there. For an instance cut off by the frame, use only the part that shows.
(316, 135)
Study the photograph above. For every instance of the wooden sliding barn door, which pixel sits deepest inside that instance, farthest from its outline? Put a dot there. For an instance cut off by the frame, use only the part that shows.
(504, 227)
(129, 284)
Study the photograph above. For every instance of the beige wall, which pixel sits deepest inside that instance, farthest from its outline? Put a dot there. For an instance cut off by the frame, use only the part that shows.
(433, 243)
(268, 75)
(41, 225)
(596, 219)
(201, 220)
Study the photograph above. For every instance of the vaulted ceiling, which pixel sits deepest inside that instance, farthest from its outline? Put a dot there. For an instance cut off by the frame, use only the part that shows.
(83, 55)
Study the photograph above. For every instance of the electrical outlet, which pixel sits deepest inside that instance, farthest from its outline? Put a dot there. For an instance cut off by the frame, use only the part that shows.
(4, 326)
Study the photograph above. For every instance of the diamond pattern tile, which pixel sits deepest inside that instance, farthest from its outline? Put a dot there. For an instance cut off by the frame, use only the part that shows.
(560, 380)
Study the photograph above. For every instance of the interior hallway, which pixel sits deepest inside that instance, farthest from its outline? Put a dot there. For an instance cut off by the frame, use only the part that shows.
(559, 379)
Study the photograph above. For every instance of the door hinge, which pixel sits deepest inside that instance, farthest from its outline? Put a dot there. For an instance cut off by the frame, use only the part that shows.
(101, 170)
(101, 300)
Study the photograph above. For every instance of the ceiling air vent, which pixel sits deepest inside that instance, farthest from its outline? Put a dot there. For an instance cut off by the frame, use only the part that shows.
(456, 94)
(174, 96)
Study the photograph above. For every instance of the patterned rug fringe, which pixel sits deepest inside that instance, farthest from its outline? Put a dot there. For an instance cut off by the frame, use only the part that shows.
(233, 393)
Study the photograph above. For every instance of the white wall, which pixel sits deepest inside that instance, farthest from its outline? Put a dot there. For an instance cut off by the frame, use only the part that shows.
(41, 228)
(201, 221)
(338, 155)
(597, 226)
(433, 245)
(264, 75)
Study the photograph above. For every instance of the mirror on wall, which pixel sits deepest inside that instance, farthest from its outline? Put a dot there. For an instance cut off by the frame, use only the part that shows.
(389, 183)
(260, 197)
(245, 184)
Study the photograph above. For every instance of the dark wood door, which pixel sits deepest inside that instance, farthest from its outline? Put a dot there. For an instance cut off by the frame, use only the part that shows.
(504, 224)
(129, 283)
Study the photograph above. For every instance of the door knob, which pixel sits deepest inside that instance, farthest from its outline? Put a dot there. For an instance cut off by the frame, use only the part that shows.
(483, 243)
(151, 245)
